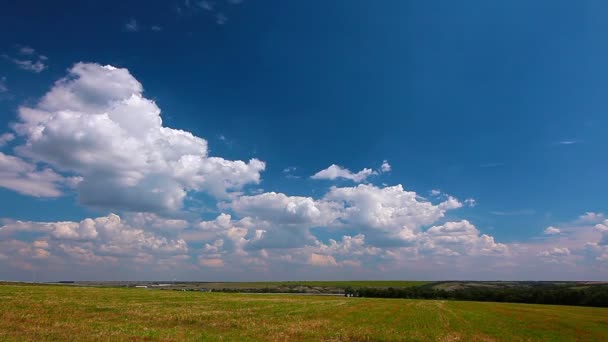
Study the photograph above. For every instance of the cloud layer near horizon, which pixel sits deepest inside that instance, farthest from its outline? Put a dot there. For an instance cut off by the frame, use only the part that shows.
(96, 134)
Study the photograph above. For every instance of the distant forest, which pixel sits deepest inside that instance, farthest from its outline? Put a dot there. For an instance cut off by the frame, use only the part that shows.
(593, 295)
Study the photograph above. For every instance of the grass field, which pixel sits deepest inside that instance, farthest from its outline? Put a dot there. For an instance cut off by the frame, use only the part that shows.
(87, 313)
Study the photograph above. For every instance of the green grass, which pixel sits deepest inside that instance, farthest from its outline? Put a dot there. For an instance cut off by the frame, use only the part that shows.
(87, 313)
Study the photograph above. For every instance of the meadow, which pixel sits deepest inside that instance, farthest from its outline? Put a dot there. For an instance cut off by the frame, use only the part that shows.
(91, 313)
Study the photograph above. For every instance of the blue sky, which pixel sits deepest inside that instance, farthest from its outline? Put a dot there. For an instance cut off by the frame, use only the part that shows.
(498, 106)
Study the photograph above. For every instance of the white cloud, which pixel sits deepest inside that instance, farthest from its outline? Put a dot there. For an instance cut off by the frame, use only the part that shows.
(131, 25)
(555, 252)
(471, 202)
(289, 169)
(5, 138)
(450, 203)
(230, 247)
(552, 231)
(96, 123)
(603, 229)
(102, 236)
(334, 171)
(591, 217)
(104, 244)
(227, 238)
(288, 172)
(30, 65)
(271, 240)
(460, 238)
(348, 247)
(276, 220)
(385, 167)
(26, 50)
(388, 215)
(556, 255)
(25, 178)
(30, 60)
(283, 209)
(435, 193)
(598, 250)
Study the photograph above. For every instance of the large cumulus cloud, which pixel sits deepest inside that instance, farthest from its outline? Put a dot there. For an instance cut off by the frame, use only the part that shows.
(96, 123)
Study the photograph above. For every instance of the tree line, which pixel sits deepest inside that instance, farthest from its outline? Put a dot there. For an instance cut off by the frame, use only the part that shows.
(594, 295)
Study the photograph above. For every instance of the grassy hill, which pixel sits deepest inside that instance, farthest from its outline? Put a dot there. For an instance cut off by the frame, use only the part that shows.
(90, 313)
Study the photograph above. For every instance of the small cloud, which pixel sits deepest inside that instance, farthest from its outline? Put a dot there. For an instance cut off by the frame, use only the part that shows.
(288, 172)
(385, 167)
(450, 203)
(552, 231)
(5, 138)
(156, 28)
(228, 142)
(335, 171)
(26, 50)
(34, 66)
(289, 169)
(602, 228)
(132, 26)
(568, 142)
(435, 192)
(471, 202)
(33, 63)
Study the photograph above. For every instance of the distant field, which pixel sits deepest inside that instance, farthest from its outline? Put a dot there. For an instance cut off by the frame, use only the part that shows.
(339, 284)
(88, 313)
